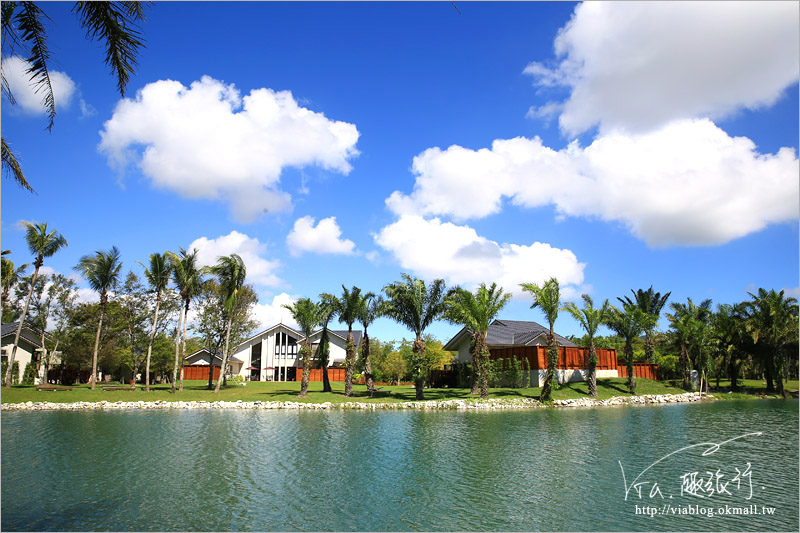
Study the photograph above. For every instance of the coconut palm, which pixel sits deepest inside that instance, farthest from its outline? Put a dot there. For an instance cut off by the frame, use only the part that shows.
(10, 277)
(348, 309)
(101, 270)
(475, 312)
(231, 273)
(590, 318)
(651, 303)
(307, 315)
(414, 305)
(628, 323)
(372, 308)
(688, 324)
(41, 243)
(188, 279)
(548, 299)
(328, 304)
(24, 33)
(158, 276)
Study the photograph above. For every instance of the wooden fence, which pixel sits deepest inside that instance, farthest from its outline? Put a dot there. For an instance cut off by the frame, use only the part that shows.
(199, 372)
(640, 370)
(334, 374)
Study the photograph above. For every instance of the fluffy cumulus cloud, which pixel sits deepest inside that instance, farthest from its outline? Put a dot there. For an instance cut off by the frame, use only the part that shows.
(260, 271)
(207, 141)
(637, 65)
(273, 313)
(434, 249)
(14, 71)
(687, 183)
(324, 238)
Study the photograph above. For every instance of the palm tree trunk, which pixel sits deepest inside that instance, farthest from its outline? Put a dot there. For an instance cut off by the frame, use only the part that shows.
(592, 368)
(224, 356)
(684, 356)
(306, 369)
(150, 345)
(476, 365)
(419, 379)
(183, 346)
(93, 379)
(19, 328)
(629, 364)
(368, 364)
(552, 361)
(177, 350)
(350, 356)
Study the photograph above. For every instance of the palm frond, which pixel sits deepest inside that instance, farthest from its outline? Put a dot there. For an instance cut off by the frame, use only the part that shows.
(30, 23)
(12, 168)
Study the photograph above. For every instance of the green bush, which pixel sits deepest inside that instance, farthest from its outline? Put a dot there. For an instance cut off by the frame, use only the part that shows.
(668, 367)
(29, 375)
(14, 372)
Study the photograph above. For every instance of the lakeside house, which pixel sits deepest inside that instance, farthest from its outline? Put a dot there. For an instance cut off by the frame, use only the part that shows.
(273, 355)
(528, 340)
(29, 349)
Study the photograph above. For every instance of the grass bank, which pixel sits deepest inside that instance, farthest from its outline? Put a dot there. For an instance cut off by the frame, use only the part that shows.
(287, 391)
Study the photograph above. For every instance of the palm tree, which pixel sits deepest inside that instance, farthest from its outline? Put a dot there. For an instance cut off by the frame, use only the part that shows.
(772, 323)
(410, 303)
(231, 273)
(188, 278)
(628, 324)
(24, 32)
(688, 322)
(348, 310)
(307, 315)
(157, 276)
(590, 319)
(475, 312)
(548, 299)
(41, 243)
(101, 270)
(651, 303)
(371, 309)
(10, 277)
(328, 304)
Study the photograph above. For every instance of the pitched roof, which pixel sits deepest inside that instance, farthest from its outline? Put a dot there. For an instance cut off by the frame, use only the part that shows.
(217, 355)
(343, 334)
(509, 333)
(28, 333)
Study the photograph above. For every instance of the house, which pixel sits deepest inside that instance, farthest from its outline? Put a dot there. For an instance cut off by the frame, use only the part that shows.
(274, 354)
(528, 340)
(29, 349)
(195, 365)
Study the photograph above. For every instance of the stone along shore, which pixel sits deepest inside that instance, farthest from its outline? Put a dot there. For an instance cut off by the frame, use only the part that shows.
(432, 405)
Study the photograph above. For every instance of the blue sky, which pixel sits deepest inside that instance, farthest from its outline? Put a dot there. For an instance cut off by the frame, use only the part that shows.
(612, 145)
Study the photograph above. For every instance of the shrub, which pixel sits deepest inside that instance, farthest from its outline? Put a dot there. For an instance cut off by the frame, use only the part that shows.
(29, 375)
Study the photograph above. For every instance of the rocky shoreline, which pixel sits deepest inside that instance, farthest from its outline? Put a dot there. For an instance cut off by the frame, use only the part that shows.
(431, 405)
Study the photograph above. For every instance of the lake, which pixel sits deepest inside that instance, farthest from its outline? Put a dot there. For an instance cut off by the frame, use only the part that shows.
(531, 470)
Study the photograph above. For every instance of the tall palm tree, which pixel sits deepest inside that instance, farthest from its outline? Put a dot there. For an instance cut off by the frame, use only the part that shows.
(371, 309)
(410, 303)
(41, 243)
(348, 310)
(590, 318)
(475, 312)
(628, 323)
(231, 273)
(24, 33)
(10, 277)
(101, 270)
(307, 315)
(772, 323)
(328, 304)
(651, 303)
(188, 278)
(688, 322)
(158, 276)
(548, 299)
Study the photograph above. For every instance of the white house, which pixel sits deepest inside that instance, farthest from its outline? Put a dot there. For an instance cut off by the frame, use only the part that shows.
(30, 347)
(273, 354)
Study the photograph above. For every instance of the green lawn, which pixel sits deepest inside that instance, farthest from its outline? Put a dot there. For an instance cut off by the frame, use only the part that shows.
(287, 391)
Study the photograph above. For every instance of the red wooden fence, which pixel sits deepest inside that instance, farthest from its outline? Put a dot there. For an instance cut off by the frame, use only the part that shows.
(334, 374)
(640, 370)
(199, 372)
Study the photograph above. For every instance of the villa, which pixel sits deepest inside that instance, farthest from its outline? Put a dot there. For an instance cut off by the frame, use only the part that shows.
(29, 349)
(273, 355)
(522, 339)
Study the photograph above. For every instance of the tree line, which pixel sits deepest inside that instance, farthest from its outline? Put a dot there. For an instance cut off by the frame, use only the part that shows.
(143, 324)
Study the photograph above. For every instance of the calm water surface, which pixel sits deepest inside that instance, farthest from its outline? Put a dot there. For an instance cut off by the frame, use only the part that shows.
(538, 470)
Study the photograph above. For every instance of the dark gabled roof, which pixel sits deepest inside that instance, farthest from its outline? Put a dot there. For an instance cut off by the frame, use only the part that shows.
(343, 334)
(519, 332)
(263, 331)
(28, 333)
(217, 355)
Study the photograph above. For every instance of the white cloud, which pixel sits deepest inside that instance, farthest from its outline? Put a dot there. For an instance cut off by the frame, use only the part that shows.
(638, 65)
(87, 110)
(324, 238)
(688, 183)
(273, 313)
(793, 292)
(25, 93)
(206, 141)
(259, 270)
(435, 249)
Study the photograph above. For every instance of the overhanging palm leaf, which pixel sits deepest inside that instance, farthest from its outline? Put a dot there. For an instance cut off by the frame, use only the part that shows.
(11, 167)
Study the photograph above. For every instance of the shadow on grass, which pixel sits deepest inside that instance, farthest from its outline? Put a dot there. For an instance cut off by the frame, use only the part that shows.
(608, 384)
